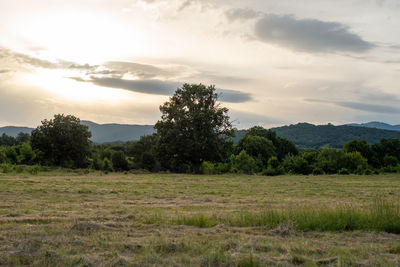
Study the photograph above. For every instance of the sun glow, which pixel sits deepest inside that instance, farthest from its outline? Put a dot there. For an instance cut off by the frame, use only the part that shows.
(81, 37)
(59, 83)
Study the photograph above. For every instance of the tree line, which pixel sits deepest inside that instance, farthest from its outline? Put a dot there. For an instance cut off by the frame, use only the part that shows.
(194, 135)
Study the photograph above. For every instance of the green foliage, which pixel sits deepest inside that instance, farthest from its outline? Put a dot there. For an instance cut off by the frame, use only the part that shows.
(309, 136)
(193, 128)
(26, 154)
(258, 147)
(62, 141)
(296, 164)
(107, 165)
(243, 163)
(119, 161)
(282, 146)
(11, 154)
(390, 161)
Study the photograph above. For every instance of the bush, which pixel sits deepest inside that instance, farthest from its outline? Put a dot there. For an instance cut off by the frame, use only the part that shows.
(243, 163)
(207, 167)
(6, 168)
(390, 161)
(344, 171)
(34, 170)
(318, 171)
(296, 165)
(107, 165)
(119, 161)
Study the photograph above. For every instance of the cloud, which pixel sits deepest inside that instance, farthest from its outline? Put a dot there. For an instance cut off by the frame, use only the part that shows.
(373, 108)
(309, 35)
(160, 87)
(235, 14)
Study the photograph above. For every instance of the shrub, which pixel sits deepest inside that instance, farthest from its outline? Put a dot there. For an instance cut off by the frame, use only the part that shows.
(318, 171)
(296, 165)
(107, 165)
(243, 163)
(34, 170)
(343, 171)
(119, 161)
(208, 167)
(390, 161)
(6, 168)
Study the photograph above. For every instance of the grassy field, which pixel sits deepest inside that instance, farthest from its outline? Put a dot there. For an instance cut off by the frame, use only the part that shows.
(58, 219)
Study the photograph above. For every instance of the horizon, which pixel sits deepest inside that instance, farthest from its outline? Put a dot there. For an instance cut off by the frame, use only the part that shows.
(239, 129)
(274, 63)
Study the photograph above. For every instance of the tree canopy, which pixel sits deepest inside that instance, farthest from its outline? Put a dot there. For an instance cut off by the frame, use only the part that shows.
(62, 141)
(193, 128)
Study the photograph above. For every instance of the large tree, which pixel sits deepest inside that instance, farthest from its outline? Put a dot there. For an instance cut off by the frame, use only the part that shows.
(62, 141)
(193, 128)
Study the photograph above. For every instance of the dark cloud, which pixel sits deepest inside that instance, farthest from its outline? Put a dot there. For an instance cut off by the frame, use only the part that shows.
(373, 108)
(309, 35)
(234, 14)
(155, 87)
(159, 87)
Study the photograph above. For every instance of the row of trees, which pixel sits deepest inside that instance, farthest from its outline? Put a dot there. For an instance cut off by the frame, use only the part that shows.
(194, 135)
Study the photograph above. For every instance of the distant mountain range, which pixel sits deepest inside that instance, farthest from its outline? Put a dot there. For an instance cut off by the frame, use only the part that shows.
(101, 133)
(377, 125)
(304, 135)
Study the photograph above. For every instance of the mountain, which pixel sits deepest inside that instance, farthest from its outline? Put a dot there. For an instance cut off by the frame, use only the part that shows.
(101, 133)
(306, 135)
(303, 135)
(14, 131)
(107, 133)
(377, 125)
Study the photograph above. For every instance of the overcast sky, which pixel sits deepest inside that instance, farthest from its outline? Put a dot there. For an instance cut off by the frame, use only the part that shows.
(274, 62)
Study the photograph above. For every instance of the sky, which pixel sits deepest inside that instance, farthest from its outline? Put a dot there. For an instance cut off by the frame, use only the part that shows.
(273, 62)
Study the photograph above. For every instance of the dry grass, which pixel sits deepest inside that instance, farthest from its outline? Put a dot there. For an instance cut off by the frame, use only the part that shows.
(156, 219)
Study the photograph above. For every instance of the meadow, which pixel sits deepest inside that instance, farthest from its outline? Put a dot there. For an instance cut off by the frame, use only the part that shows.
(76, 219)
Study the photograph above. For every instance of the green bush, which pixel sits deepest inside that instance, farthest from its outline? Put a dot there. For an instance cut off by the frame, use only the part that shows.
(207, 167)
(344, 171)
(318, 171)
(6, 168)
(34, 170)
(243, 163)
(107, 165)
(296, 165)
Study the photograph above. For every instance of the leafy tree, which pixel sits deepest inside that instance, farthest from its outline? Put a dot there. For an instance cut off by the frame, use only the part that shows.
(119, 161)
(282, 146)
(23, 138)
(11, 154)
(62, 141)
(385, 147)
(296, 164)
(243, 163)
(26, 154)
(260, 148)
(193, 128)
(107, 165)
(364, 149)
(6, 140)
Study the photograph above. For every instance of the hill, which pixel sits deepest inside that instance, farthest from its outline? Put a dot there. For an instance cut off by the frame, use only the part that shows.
(306, 135)
(377, 125)
(107, 133)
(101, 133)
(14, 130)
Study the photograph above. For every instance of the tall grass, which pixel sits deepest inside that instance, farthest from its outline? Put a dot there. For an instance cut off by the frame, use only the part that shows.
(381, 216)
